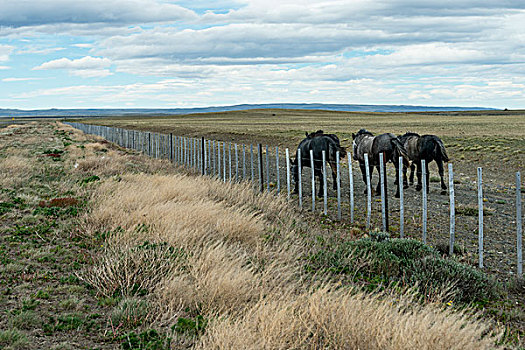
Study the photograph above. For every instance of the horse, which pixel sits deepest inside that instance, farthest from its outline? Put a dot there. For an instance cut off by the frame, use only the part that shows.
(364, 142)
(318, 142)
(429, 148)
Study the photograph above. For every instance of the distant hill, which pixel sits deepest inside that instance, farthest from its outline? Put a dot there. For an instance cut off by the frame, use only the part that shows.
(161, 111)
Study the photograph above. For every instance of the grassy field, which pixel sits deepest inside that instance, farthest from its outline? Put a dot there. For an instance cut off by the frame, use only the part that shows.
(494, 140)
(102, 248)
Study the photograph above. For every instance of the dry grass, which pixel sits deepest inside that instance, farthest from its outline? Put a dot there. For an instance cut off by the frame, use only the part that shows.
(15, 170)
(197, 246)
(339, 319)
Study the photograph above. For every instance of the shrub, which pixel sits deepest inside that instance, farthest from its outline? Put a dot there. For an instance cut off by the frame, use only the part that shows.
(378, 260)
(147, 340)
(468, 284)
(130, 313)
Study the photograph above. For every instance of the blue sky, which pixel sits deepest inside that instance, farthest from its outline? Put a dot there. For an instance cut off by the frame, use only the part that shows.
(167, 54)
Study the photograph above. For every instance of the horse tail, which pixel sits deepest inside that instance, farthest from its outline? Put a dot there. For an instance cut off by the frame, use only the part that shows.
(400, 148)
(441, 149)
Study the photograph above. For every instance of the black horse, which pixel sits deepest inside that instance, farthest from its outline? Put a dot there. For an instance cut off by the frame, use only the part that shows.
(365, 142)
(429, 148)
(318, 142)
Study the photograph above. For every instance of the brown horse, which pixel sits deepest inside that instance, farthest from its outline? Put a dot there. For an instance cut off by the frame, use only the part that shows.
(318, 142)
(429, 148)
(366, 143)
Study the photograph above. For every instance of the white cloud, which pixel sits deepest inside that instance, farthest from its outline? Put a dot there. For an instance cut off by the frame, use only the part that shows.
(33, 13)
(87, 62)
(11, 80)
(85, 67)
(5, 51)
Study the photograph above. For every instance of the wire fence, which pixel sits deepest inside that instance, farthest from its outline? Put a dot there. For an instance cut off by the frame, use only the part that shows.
(269, 169)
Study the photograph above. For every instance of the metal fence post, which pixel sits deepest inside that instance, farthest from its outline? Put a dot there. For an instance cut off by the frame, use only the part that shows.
(313, 178)
(452, 209)
(480, 217)
(519, 228)
(368, 192)
(424, 176)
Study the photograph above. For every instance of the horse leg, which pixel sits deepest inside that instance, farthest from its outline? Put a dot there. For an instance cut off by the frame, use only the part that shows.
(412, 168)
(397, 183)
(319, 175)
(405, 166)
(441, 174)
(363, 173)
(378, 187)
(418, 171)
(296, 179)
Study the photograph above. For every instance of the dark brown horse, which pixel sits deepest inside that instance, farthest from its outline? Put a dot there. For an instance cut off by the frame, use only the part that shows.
(366, 143)
(429, 148)
(318, 142)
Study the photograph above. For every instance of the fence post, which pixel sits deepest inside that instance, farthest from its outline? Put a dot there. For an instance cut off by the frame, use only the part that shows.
(203, 156)
(243, 162)
(288, 172)
(519, 224)
(251, 162)
(230, 159)
(382, 181)
(338, 183)
(236, 163)
(452, 209)
(480, 216)
(267, 170)
(224, 160)
(401, 199)
(277, 169)
(351, 178)
(299, 179)
(313, 178)
(368, 192)
(325, 186)
(219, 159)
(261, 180)
(424, 176)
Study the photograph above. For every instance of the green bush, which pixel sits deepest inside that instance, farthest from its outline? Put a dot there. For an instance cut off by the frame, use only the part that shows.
(468, 284)
(378, 260)
(147, 340)
(189, 326)
(130, 313)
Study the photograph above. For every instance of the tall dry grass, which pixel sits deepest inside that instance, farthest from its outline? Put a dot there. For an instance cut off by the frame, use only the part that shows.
(327, 318)
(199, 246)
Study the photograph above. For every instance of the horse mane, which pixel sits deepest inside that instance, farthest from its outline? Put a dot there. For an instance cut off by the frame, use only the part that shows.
(364, 132)
(315, 134)
(409, 133)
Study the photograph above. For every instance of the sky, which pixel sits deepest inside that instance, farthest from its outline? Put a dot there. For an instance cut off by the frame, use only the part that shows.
(170, 54)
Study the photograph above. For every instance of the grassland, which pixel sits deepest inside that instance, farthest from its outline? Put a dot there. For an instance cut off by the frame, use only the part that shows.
(104, 248)
(493, 139)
